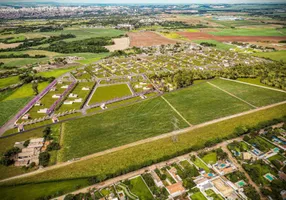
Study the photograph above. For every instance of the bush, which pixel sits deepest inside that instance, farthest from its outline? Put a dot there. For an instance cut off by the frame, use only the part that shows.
(44, 158)
(26, 143)
(53, 146)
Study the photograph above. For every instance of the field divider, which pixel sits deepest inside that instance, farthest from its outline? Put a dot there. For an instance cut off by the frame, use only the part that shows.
(232, 95)
(176, 110)
(261, 86)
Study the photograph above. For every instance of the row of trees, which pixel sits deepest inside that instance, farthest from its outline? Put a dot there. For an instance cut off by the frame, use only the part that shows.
(21, 56)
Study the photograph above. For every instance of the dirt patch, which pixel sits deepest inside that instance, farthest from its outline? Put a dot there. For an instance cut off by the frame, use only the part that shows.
(146, 39)
(6, 46)
(206, 36)
(119, 44)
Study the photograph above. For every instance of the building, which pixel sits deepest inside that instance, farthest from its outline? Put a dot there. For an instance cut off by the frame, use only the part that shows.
(156, 179)
(176, 189)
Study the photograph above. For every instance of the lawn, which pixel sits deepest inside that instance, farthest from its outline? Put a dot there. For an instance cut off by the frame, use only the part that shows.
(57, 72)
(36, 191)
(210, 158)
(276, 55)
(255, 95)
(201, 165)
(198, 196)
(203, 102)
(213, 195)
(10, 107)
(117, 127)
(140, 189)
(18, 62)
(255, 81)
(106, 93)
(94, 58)
(219, 45)
(4, 82)
(248, 32)
(155, 151)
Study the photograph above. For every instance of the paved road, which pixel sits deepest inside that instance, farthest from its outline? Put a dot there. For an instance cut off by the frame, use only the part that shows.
(178, 132)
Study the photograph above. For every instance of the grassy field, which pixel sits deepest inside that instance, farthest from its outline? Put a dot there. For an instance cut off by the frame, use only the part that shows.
(198, 196)
(26, 91)
(117, 127)
(4, 82)
(114, 162)
(18, 62)
(57, 72)
(173, 35)
(92, 58)
(40, 190)
(203, 102)
(255, 81)
(84, 33)
(201, 165)
(105, 93)
(276, 55)
(210, 158)
(212, 194)
(219, 45)
(11, 107)
(248, 32)
(252, 94)
(140, 189)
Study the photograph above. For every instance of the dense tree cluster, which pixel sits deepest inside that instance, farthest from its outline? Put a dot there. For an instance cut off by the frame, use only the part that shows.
(21, 56)
(7, 156)
(160, 193)
(207, 44)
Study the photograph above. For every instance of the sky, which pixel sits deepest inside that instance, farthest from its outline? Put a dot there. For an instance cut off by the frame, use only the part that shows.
(154, 1)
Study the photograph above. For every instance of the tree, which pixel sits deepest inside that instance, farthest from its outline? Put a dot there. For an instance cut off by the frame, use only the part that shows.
(44, 158)
(35, 87)
(26, 143)
(53, 146)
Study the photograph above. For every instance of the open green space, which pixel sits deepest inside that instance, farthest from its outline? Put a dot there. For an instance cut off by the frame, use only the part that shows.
(203, 102)
(10, 107)
(255, 81)
(210, 158)
(117, 127)
(57, 72)
(198, 196)
(114, 163)
(201, 165)
(140, 189)
(106, 93)
(93, 58)
(4, 82)
(213, 195)
(252, 94)
(18, 62)
(248, 32)
(275, 55)
(219, 45)
(19, 38)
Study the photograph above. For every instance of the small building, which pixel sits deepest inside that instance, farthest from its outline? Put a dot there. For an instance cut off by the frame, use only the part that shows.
(246, 156)
(102, 106)
(53, 89)
(85, 88)
(68, 102)
(44, 110)
(157, 179)
(176, 189)
(21, 128)
(55, 119)
(71, 95)
(78, 100)
(26, 116)
(56, 96)
(38, 103)
(65, 86)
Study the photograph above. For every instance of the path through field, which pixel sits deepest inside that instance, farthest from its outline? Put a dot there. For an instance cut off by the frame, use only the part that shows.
(177, 132)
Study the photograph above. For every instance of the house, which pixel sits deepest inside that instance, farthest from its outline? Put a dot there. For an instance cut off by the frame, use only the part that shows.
(71, 95)
(85, 88)
(246, 156)
(55, 119)
(102, 106)
(53, 89)
(56, 96)
(176, 189)
(44, 110)
(19, 145)
(38, 103)
(156, 179)
(26, 116)
(68, 102)
(78, 100)
(65, 86)
(21, 128)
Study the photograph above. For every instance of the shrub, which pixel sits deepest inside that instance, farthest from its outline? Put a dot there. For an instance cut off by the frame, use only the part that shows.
(53, 146)
(44, 158)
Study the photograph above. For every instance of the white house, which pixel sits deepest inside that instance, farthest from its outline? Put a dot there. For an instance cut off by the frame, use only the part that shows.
(78, 100)
(65, 86)
(85, 88)
(44, 110)
(71, 95)
(56, 96)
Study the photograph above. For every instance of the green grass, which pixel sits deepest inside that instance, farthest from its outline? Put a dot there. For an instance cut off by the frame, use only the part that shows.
(11, 107)
(210, 158)
(26, 91)
(255, 95)
(117, 127)
(57, 72)
(35, 191)
(105, 93)
(198, 196)
(219, 45)
(276, 55)
(4, 82)
(94, 58)
(152, 151)
(201, 165)
(140, 189)
(248, 32)
(203, 102)
(212, 194)
(255, 81)
(18, 62)
(15, 39)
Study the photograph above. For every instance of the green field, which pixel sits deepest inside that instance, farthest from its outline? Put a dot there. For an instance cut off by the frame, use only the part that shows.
(204, 102)
(255, 95)
(4, 82)
(10, 107)
(219, 45)
(210, 158)
(117, 127)
(140, 189)
(19, 38)
(116, 161)
(91, 58)
(198, 196)
(249, 32)
(212, 194)
(255, 81)
(106, 93)
(276, 55)
(201, 165)
(18, 62)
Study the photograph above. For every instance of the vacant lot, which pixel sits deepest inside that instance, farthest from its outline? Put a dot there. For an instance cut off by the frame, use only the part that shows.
(106, 93)
(4, 82)
(252, 94)
(203, 102)
(146, 39)
(140, 189)
(276, 55)
(117, 127)
(119, 44)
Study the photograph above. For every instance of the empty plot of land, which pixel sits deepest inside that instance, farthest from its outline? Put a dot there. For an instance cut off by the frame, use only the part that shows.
(145, 39)
(106, 93)
(206, 36)
(204, 102)
(118, 127)
(119, 44)
(255, 95)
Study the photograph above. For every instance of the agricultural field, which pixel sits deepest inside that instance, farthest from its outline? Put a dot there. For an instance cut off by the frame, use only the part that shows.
(218, 45)
(249, 32)
(117, 127)
(9, 81)
(106, 93)
(276, 55)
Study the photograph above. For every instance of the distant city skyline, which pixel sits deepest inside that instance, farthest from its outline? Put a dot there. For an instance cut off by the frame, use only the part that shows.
(152, 1)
